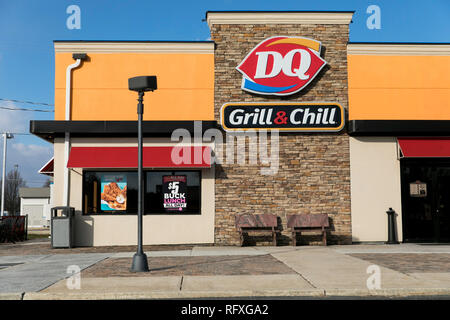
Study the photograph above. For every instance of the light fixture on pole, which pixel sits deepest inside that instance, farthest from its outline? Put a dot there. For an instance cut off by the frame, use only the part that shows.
(6, 136)
(141, 85)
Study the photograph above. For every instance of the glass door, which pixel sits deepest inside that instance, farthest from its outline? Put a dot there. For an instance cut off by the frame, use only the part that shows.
(425, 200)
(441, 217)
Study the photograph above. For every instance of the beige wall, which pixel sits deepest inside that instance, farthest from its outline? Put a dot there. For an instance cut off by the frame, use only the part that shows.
(122, 230)
(375, 187)
(58, 171)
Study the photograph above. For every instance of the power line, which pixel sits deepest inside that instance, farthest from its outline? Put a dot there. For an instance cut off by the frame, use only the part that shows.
(18, 133)
(21, 133)
(28, 102)
(25, 109)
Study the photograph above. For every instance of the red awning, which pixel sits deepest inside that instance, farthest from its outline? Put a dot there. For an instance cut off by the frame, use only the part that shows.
(127, 157)
(47, 168)
(425, 147)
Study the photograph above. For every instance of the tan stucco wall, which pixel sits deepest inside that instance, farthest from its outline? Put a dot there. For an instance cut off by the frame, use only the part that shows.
(375, 187)
(122, 230)
(58, 171)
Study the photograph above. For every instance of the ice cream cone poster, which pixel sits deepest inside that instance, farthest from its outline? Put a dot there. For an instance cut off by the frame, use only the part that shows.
(174, 193)
(114, 192)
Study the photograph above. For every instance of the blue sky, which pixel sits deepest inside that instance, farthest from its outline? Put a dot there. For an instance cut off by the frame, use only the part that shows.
(28, 27)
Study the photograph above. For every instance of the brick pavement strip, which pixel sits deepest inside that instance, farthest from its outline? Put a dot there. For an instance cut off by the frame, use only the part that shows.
(192, 266)
(409, 262)
(44, 248)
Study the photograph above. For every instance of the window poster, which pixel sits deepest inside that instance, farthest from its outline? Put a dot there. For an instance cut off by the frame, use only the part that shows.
(174, 193)
(113, 192)
(418, 189)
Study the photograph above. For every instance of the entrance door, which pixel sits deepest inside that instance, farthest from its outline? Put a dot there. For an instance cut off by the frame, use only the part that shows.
(442, 216)
(425, 200)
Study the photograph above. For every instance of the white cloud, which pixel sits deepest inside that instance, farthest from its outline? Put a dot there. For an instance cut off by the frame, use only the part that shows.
(13, 121)
(31, 150)
(25, 151)
(30, 158)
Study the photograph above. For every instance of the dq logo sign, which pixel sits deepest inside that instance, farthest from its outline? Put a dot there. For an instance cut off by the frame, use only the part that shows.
(281, 65)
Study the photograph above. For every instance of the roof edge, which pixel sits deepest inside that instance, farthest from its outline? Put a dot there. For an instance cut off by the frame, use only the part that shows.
(278, 17)
(71, 46)
(137, 41)
(43, 192)
(398, 48)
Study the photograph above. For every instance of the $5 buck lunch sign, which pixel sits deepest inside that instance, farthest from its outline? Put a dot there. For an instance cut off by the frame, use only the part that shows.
(174, 193)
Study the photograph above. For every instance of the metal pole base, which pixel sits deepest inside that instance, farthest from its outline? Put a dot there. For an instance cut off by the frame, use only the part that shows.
(140, 263)
(392, 242)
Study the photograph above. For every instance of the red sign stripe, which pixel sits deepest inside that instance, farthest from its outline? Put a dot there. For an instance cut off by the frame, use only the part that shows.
(127, 157)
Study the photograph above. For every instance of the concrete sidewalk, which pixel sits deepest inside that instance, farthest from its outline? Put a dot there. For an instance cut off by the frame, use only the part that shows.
(215, 272)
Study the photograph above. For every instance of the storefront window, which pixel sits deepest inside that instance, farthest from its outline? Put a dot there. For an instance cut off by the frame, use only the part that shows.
(110, 192)
(172, 192)
(165, 192)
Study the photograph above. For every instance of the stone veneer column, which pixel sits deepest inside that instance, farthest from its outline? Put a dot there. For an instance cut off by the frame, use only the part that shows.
(314, 168)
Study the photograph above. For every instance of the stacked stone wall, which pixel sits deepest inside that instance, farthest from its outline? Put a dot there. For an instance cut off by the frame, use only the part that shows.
(314, 168)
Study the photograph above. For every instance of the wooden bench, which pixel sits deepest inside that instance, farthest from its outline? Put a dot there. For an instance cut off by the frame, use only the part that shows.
(257, 222)
(308, 222)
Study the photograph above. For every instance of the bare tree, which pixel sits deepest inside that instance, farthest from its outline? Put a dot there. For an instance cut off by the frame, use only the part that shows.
(47, 183)
(13, 182)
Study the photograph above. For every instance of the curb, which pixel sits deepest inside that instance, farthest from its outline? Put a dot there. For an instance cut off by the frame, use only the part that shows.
(393, 292)
(315, 293)
(12, 296)
(169, 295)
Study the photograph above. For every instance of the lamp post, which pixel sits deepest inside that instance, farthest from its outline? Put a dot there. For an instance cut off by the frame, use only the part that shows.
(141, 85)
(6, 136)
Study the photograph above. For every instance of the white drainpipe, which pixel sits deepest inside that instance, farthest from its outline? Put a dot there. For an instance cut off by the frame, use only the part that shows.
(67, 118)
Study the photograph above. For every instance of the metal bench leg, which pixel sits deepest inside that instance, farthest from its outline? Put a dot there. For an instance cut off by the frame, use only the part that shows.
(241, 238)
(274, 237)
(295, 234)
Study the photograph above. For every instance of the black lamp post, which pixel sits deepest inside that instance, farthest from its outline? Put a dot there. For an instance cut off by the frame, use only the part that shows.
(141, 85)
(392, 228)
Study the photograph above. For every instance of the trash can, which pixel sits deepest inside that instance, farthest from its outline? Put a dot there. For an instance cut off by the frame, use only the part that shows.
(62, 226)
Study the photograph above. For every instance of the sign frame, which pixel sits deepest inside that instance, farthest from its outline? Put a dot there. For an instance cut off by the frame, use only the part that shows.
(171, 179)
(317, 104)
(119, 180)
(418, 189)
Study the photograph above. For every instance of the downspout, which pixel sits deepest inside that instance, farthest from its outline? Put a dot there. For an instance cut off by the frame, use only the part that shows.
(78, 57)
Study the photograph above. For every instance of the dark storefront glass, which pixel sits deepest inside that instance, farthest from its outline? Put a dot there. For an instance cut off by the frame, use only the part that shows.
(115, 192)
(94, 195)
(426, 214)
(154, 198)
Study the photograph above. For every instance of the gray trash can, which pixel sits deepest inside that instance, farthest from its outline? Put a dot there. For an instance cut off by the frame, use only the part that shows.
(62, 227)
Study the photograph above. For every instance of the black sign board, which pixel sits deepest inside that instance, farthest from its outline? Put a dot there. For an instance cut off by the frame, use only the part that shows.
(306, 117)
(174, 190)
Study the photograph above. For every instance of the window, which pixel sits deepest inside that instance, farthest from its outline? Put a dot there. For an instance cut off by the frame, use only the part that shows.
(165, 192)
(172, 192)
(110, 192)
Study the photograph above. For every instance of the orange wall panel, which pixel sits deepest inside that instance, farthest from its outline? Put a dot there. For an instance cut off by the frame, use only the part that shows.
(100, 86)
(399, 87)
